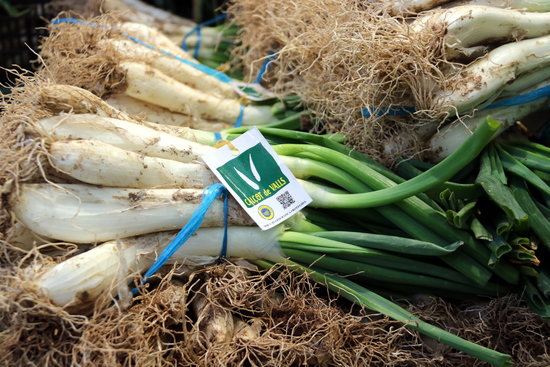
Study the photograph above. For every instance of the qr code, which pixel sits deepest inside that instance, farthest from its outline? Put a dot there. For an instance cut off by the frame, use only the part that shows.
(285, 199)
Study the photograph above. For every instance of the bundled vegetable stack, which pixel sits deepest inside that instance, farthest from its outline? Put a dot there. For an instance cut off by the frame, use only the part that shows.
(392, 78)
(138, 70)
(90, 173)
(171, 25)
(135, 176)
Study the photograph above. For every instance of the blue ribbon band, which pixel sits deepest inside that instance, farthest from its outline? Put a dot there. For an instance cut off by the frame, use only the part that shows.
(265, 66)
(209, 194)
(197, 30)
(522, 99)
(528, 97)
(391, 111)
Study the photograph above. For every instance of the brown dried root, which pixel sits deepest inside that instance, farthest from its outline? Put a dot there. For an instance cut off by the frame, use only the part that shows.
(296, 328)
(280, 319)
(340, 57)
(130, 11)
(504, 324)
(287, 323)
(20, 150)
(71, 56)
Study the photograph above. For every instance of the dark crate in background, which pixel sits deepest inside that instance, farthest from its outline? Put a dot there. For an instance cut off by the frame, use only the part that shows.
(20, 34)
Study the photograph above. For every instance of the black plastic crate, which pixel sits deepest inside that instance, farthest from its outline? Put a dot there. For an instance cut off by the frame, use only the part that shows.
(20, 33)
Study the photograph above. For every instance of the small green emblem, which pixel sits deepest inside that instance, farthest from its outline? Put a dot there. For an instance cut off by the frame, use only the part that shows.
(254, 175)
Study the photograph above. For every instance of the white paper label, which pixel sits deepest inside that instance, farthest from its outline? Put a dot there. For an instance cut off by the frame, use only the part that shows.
(258, 179)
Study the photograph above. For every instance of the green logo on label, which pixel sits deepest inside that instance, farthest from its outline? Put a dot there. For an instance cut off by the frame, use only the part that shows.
(254, 175)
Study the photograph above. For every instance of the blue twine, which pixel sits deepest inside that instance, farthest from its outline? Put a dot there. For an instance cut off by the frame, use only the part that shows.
(223, 252)
(238, 123)
(76, 21)
(390, 111)
(265, 66)
(197, 30)
(198, 44)
(522, 99)
(240, 118)
(512, 101)
(209, 194)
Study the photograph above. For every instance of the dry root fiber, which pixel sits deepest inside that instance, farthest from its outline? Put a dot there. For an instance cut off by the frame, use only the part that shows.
(340, 57)
(279, 319)
(71, 55)
(229, 315)
(503, 324)
(20, 153)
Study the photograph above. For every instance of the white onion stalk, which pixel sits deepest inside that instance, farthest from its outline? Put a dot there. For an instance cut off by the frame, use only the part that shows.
(126, 135)
(81, 279)
(151, 85)
(157, 13)
(527, 5)
(450, 137)
(68, 98)
(140, 12)
(180, 71)
(152, 36)
(468, 26)
(161, 115)
(485, 78)
(205, 53)
(169, 23)
(89, 214)
(103, 164)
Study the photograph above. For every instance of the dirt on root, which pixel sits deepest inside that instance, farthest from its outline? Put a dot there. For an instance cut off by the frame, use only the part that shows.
(282, 319)
(70, 54)
(279, 318)
(21, 151)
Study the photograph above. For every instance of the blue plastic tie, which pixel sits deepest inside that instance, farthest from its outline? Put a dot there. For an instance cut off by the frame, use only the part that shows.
(267, 62)
(512, 101)
(391, 111)
(522, 99)
(140, 42)
(223, 252)
(75, 21)
(198, 44)
(209, 194)
(240, 118)
(197, 30)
